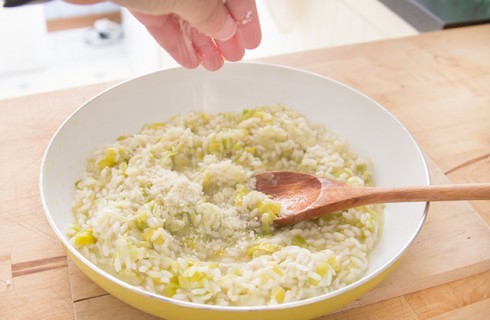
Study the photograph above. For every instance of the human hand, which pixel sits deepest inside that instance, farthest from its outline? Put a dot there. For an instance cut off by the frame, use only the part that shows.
(198, 32)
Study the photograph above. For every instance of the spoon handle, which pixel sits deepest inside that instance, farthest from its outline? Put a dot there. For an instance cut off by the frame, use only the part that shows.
(478, 191)
(334, 198)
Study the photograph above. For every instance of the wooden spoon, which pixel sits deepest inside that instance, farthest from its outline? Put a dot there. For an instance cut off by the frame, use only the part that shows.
(306, 196)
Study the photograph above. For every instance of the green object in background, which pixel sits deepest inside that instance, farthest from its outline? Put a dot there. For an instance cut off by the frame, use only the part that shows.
(430, 15)
(458, 11)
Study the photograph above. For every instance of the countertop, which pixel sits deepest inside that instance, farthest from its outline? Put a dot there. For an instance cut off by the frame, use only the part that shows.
(437, 84)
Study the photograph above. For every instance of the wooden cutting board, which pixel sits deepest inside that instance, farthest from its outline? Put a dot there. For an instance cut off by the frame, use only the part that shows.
(444, 251)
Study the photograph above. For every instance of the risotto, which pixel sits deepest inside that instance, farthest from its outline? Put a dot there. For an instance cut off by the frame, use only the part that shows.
(173, 210)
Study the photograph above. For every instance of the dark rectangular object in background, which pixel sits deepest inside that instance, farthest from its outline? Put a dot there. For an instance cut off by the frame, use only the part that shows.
(429, 15)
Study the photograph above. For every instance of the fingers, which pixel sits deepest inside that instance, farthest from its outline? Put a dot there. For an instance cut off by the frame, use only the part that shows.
(233, 49)
(173, 35)
(219, 19)
(197, 32)
(184, 43)
(245, 14)
(205, 48)
(248, 35)
(211, 17)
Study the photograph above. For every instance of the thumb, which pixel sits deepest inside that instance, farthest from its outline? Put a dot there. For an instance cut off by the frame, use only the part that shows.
(210, 17)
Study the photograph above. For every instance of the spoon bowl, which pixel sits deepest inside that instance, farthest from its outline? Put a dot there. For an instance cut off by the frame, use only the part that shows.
(304, 196)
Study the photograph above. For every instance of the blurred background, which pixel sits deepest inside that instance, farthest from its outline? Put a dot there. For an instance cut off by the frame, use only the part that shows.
(57, 45)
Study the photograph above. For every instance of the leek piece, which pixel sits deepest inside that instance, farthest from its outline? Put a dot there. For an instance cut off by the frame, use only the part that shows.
(247, 114)
(215, 147)
(228, 143)
(237, 146)
(121, 138)
(322, 269)
(299, 241)
(205, 117)
(277, 270)
(206, 182)
(279, 294)
(250, 150)
(179, 147)
(189, 243)
(84, 238)
(141, 220)
(109, 159)
(73, 230)
(266, 223)
(241, 191)
(272, 208)
(155, 125)
(148, 234)
(184, 282)
(171, 287)
(77, 183)
(261, 249)
(334, 263)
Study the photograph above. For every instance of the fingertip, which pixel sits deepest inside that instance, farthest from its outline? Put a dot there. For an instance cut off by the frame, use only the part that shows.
(186, 57)
(187, 63)
(212, 61)
(212, 66)
(250, 31)
(246, 16)
(232, 49)
(206, 50)
(253, 41)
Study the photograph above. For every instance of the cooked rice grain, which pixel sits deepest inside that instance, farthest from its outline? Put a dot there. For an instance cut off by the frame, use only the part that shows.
(172, 209)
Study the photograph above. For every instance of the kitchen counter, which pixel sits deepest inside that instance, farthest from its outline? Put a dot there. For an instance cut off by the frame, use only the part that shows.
(437, 84)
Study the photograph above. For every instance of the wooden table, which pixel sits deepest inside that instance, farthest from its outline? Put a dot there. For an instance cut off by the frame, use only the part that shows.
(437, 84)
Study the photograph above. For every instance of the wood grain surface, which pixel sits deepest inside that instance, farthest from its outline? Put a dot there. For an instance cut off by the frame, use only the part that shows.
(437, 84)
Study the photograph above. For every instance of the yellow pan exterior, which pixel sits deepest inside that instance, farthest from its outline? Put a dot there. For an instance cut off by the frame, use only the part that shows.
(171, 311)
